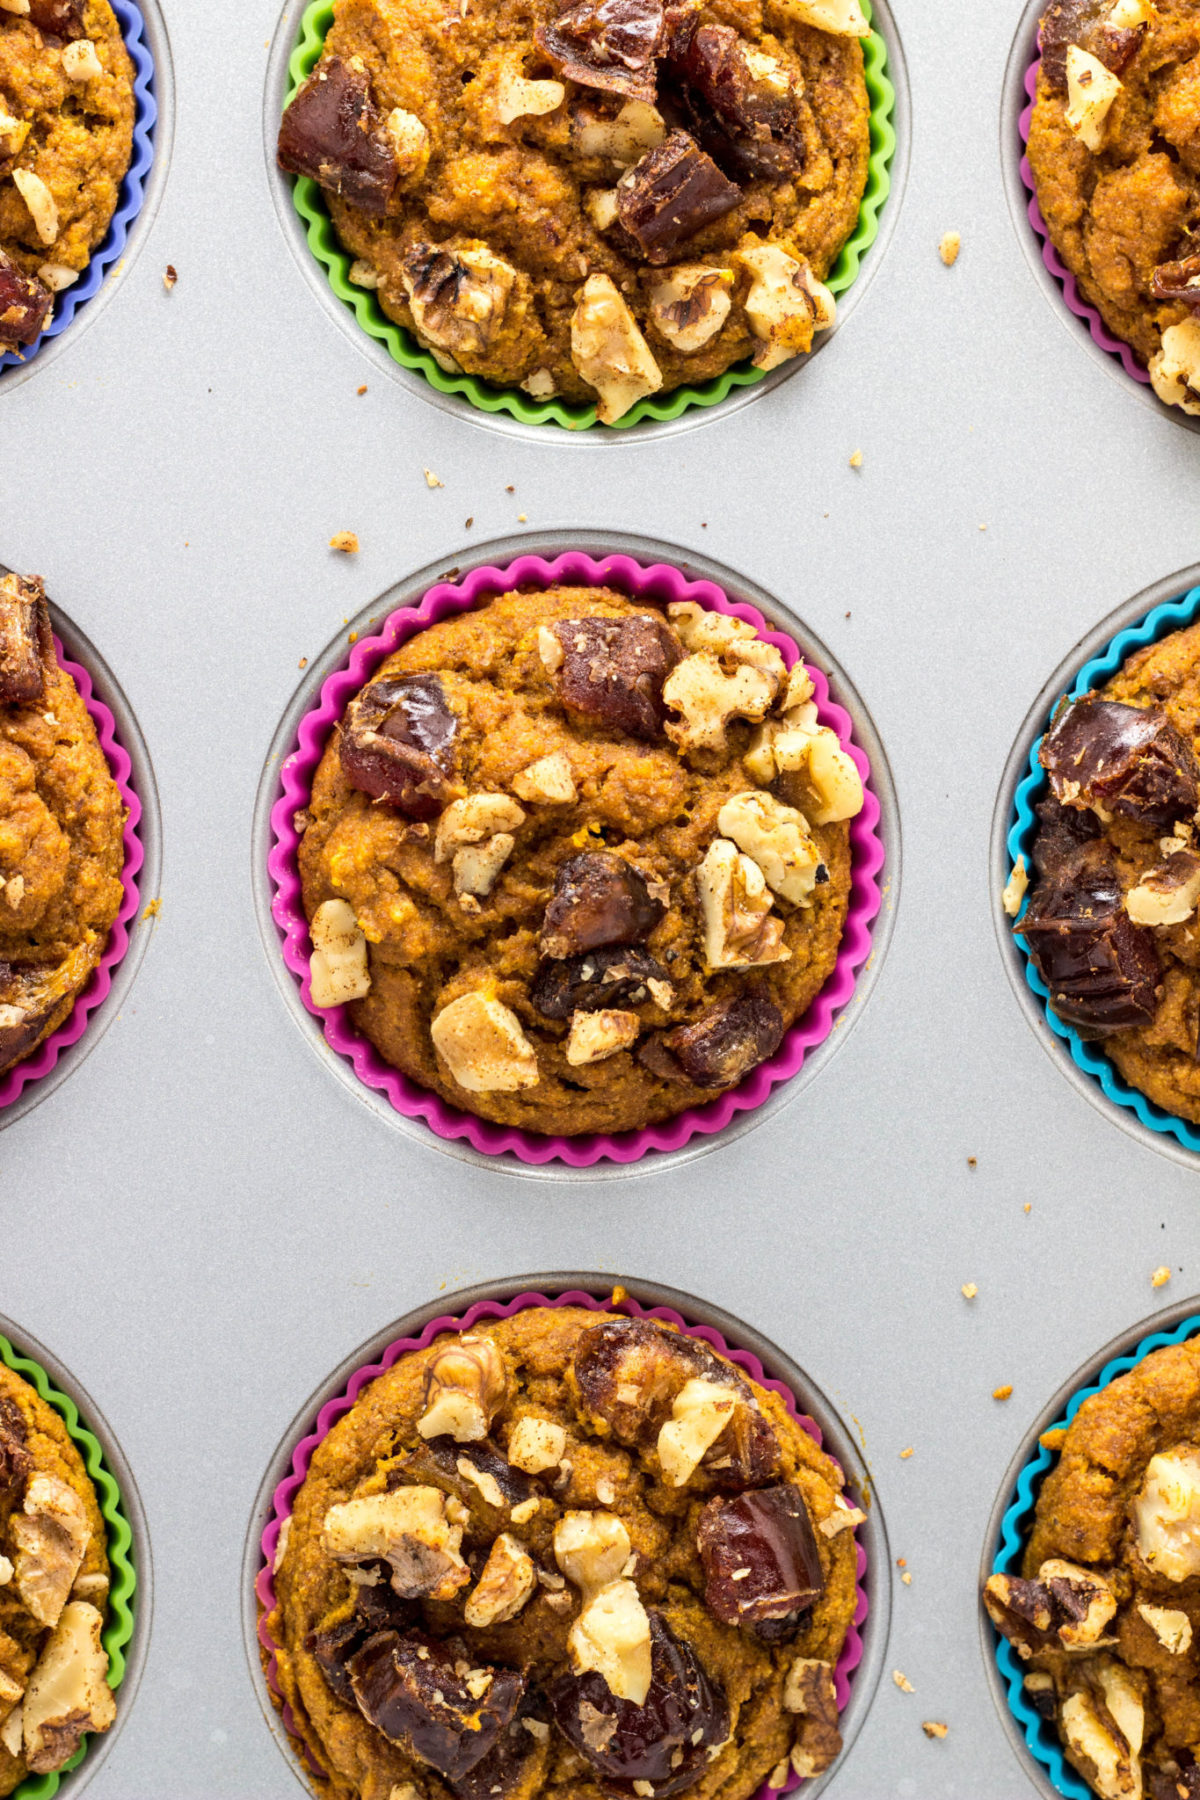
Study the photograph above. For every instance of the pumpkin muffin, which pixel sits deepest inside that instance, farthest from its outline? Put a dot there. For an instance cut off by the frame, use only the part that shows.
(1114, 146)
(1111, 925)
(54, 1581)
(575, 863)
(61, 831)
(66, 141)
(565, 1556)
(599, 201)
(1105, 1614)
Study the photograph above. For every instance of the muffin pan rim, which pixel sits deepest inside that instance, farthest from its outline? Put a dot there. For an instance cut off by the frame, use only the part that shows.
(598, 545)
(837, 1438)
(25, 1344)
(294, 230)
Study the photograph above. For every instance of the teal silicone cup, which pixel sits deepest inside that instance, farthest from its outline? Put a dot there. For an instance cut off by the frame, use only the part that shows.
(1158, 624)
(403, 347)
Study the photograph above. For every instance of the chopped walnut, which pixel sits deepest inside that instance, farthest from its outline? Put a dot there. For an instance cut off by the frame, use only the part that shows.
(810, 1691)
(466, 1384)
(536, 1444)
(786, 304)
(471, 820)
(1015, 888)
(638, 127)
(843, 18)
(458, 298)
(734, 640)
(68, 1693)
(1175, 368)
(409, 1530)
(80, 62)
(1091, 90)
(609, 351)
(591, 1548)
(740, 930)
(708, 699)
(1103, 1731)
(477, 866)
(612, 1636)
(51, 1534)
(700, 1412)
(1166, 1514)
(777, 838)
(1172, 1628)
(596, 1035)
(690, 305)
(1166, 894)
(482, 1044)
(519, 98)
(411, 142)
(41, 203)
(338, 964)
(548, 781)
(504, 1586)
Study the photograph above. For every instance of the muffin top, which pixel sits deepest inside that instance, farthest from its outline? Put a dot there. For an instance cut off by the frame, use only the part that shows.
(1114, 146)
(61, 830)
(54, 1580)
(577, 863)
(599, 201)
(1111, 924)
(1106, 1610)
(562, 1556)
(66, 139)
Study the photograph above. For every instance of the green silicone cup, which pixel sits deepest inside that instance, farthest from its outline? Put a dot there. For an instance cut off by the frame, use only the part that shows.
(119, 1627)
(404, 348)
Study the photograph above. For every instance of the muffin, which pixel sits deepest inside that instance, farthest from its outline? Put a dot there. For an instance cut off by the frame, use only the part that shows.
(66, 141)
(599, 202)
(61, 830)
(564, 1556)
(1114, 147)
(1106, 1608)
(574, 863)
(54, 1580)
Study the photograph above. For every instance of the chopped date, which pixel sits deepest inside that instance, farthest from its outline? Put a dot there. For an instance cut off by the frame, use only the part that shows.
(749, 125)
(57, 18)
(1064, 23)
(408, 1687)
(611, 45)
(512, 1766)
(434, 1463)
(614, 976)
(25, 304)
(1122, 759)
(1101, 969)
(334, 132)
(666, 1740)
(15, 1460)
(599, 899)
(760, 1556)
(397, 744)
(727, 1041)
(1178, 281)
(1062, 832)
(613, 671)
(26, 643)
(670, 195)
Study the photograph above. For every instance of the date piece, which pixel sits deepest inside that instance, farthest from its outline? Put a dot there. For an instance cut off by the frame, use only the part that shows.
(1062, 832)
(727, 1041)
(513, 1768)
(26, 640)
(747, 118)
(440, 1463)
(1178, 281)
(397, 744)
(612, 45)
(1065, 22)
(670, 195)
(760, 1556)
(1121, 759)
(25, 304)
(616, 976)
(408, 1688)
(666, 1740)
(334, 132)
(62, 19)
(613, 670)
(15, 1460)
(599, 899)
(1101, 969)
(377, 1607)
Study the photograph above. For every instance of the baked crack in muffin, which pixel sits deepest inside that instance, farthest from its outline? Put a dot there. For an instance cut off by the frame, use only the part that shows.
(66, 141)
(61, 830)
(565, 1556)
(1114, 146)
(1106, 1610)
(575, 863)
(54, 1580)
(598, 202)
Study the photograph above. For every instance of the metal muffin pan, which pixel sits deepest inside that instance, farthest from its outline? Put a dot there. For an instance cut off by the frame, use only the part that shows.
(203, 1218)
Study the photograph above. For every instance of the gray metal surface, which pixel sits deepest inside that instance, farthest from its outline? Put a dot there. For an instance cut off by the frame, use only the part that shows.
(202, 1221)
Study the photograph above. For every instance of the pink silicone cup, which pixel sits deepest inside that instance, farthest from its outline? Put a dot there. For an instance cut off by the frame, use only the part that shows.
(46, 1055)
(656, 581)
(1091, 318)
(285, 1494)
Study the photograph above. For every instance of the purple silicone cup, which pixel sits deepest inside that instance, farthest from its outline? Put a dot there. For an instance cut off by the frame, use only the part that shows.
(333, 1410)
(44, 1058)
(1062, 275)
(656, 581)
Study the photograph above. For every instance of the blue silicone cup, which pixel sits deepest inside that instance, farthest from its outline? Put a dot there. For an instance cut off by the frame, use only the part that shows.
(1183, 610)
(133, 189)
(1040, 1734)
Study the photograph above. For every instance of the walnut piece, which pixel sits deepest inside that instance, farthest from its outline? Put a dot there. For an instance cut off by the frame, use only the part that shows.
(68, 1693)
(612, 1636)
(740, 931)
(338, 964)
(708, 699)
(477, 866)
(1166, 1514)
(80, 62)
(548, 781)
(609, 352)
(591, 1548)
(1091, 90)
(700, 1413)
(51, 1534)
(408, 1529)
(1166, 894)
(638, 127)
(482, 1044)
(458, 298)
(1175, 368)
(471, 820)
(466, 1384)
(734, 640)
(691, 304)
(1065, 1606)
(786, 304)
(411, 142)
(1103, 1732)
(844, 18)
(504, 1586)
(536, 1444)
(519, 98)
(810, 1691)
(777, 838)
(1173, 1629)
(41, 203)
(595, 1035)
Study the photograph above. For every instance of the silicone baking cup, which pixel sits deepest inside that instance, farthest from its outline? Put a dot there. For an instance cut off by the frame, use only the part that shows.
(133, 188)
(656, 582)
(118, 1628)
(1040, 1734)
(403, 347)
(333, 1410)
(46, 1055)
(1053, 261)
(1034, 787)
